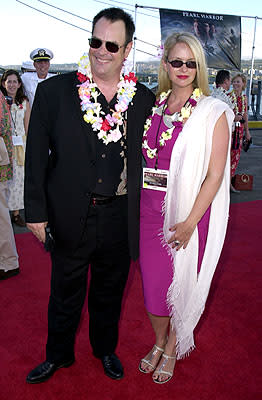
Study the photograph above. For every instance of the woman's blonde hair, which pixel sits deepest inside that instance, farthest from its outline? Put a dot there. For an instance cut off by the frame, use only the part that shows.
(241, 76)
(201, 79)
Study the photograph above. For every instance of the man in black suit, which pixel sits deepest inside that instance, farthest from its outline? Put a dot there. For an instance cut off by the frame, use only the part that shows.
(82, 179)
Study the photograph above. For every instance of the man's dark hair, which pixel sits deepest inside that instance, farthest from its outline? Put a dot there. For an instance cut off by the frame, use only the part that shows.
(222, 75)
(117, 14)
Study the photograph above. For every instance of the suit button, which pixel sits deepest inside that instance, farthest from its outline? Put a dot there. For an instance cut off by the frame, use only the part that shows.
(103, 155)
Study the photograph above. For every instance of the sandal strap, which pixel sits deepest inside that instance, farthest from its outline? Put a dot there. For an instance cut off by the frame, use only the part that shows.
(168, 357)
(147, 361)
(159, 348)
(155, 350)
(159, 371)
(163, 364)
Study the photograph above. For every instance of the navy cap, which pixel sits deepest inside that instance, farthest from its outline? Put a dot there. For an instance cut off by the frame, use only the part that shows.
(41, 54)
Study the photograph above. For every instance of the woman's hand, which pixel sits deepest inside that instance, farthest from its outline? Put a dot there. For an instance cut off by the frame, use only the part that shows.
(182, 234)
(247, 135)
(238, 117)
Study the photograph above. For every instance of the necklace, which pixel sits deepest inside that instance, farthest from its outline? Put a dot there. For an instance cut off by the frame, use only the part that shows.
(106, 126)
(171, 121)
(243, 103)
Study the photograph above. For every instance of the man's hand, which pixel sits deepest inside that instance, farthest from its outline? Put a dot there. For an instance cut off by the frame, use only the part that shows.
(38, 229)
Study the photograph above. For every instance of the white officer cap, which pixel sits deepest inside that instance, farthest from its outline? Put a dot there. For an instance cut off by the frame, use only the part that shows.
(41, 54)
(28, 65)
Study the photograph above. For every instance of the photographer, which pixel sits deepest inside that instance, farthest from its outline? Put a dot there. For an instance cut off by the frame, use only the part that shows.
(11, 85)
(8, 254)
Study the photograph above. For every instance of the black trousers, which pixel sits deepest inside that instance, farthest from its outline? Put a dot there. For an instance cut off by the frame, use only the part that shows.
(104, 246)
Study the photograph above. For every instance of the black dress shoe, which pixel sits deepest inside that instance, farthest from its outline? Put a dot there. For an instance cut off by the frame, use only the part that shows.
(112, 366)
(45, 370)
(8, 274)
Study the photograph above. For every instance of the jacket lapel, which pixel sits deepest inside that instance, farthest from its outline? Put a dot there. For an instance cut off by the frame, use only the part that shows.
(80, 114)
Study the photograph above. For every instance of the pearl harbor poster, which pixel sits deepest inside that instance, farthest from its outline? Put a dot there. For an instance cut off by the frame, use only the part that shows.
(219, 34)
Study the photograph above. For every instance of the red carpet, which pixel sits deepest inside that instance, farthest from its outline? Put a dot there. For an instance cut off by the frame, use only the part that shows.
(225, 365)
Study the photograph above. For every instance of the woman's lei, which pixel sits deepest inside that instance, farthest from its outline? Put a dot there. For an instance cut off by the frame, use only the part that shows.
(234, 100)
(178, 119)
(106, 125)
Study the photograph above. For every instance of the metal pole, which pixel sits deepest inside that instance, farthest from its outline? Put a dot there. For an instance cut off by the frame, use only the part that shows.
(134, 49)
(252, 60)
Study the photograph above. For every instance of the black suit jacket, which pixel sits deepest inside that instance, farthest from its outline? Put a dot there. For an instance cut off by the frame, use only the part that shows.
(58, 185)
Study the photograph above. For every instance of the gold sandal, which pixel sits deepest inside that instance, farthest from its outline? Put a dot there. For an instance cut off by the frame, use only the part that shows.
(160, 370)
(148, 360)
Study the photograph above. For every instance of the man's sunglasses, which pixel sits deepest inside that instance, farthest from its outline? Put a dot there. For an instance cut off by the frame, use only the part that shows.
(112, 47)
(179, 63)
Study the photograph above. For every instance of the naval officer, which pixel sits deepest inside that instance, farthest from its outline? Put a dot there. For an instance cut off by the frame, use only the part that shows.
(41, 58)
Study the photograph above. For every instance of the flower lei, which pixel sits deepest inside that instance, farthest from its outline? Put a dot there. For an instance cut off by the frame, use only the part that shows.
(108, 127)
(178, 119)
(234, 100)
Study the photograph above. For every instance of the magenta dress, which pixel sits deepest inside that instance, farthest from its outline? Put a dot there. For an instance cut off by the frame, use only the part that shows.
(156, 265)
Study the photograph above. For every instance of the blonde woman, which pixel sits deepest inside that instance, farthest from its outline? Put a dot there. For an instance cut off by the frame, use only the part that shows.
(186, 146)
(239, 100)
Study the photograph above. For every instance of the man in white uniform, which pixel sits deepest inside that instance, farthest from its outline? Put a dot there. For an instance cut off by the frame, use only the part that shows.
(41, 59)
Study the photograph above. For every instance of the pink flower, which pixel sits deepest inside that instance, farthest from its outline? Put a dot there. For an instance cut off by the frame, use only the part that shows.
(110, 119)
(192, 102)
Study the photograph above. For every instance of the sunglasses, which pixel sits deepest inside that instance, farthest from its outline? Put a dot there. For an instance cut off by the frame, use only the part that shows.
(112, 47)
(179, 63)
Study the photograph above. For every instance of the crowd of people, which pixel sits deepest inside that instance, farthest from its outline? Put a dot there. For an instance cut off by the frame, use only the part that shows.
(113, 173)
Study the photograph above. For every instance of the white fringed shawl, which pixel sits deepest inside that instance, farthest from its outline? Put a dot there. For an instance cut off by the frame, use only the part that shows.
(188, 168)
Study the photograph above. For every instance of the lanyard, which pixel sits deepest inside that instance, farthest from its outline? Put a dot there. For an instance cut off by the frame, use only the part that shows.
(13, 121)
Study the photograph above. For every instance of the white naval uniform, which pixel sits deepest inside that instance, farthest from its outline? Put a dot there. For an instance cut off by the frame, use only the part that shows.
(30, 81)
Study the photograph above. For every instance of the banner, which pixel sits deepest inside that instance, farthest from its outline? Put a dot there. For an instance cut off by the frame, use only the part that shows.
(219, 34)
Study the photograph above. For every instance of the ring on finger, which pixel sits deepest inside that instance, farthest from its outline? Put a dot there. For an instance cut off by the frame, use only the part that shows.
(177, 243)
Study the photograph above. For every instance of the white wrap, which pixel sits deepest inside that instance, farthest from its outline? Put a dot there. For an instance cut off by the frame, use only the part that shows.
(188, 168)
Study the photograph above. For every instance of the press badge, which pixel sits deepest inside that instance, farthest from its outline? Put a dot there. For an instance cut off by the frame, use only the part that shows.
(17, 140)
(155, 179)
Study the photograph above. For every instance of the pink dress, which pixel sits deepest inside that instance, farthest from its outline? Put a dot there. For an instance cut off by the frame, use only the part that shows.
(155, 263)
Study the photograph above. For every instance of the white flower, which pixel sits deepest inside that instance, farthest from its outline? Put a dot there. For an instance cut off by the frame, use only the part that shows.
(97, 124)
(164, 95)
(115, 135)
(127, 67)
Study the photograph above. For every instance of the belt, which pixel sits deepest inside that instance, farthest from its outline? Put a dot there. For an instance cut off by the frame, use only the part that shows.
(100, 200)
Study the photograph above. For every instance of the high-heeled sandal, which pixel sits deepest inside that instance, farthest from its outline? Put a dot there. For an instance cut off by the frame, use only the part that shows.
(161, 369)
(148, 360)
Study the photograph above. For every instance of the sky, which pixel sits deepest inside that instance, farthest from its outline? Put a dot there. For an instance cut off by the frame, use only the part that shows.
(22, 29)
